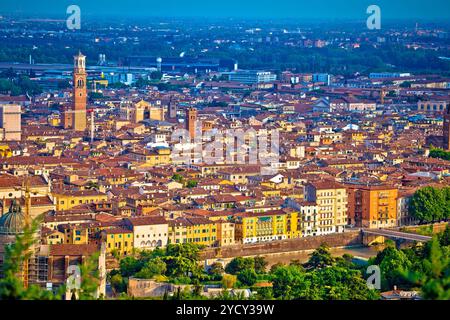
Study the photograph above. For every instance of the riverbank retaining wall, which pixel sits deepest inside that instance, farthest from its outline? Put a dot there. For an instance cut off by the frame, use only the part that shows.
(346, 239)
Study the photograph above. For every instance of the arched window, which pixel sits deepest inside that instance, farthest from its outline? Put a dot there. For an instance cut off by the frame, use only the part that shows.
(80, 83)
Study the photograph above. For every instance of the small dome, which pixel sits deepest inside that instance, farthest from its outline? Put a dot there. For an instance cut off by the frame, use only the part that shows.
(13, 221)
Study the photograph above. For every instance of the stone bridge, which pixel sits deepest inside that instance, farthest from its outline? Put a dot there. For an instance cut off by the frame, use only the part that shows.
(371, 236)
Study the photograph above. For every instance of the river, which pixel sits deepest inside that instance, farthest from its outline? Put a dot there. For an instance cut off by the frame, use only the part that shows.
(363, 253)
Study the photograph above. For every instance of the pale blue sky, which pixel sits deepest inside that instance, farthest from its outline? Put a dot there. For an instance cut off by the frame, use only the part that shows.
(300, 9)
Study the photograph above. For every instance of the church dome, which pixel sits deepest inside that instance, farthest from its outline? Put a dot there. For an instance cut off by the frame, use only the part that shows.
(12, 222)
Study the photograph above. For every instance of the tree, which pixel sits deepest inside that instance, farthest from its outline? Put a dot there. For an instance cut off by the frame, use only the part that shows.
(345, 261)
(321, 257)
(64, 84)
(191, 184)
(405, 84)
(17, 255)
(142, 83)
(152, 268)
(8, 73)
(284, 279)
(247, 277)
(264, 293)
(197, 290)
(275, 266)
(92, 185)
(444, 237)
(146, 255)
(229, 281)
(446, 195)
(216, 270)
(182, 260)
(340, 283)
(156, 75)
(95, 96)
(129, 266)
(260, 264)
(422, 267)
(296, 263)
(430, 269)
(27, 86)
(19, 252)
(439, 153)
(429, 204)
(117, 282)
(331, 283)
(238, 264)
(178, 178)
(188, 250)
(393, 264)
(117, 85)
(90, 278)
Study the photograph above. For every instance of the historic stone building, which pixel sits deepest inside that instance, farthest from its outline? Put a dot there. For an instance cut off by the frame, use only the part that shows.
(447, 129)
(75, 118)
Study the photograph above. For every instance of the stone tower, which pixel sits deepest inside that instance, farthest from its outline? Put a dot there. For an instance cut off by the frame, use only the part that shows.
(172, 110)
(447, 129)
(79, 93)
(191, 121)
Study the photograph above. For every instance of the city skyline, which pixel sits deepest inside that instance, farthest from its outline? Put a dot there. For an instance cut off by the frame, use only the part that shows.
(220, 158)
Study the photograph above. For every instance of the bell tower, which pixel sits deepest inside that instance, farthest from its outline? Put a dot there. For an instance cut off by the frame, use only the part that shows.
(79, 93)
(191, 122)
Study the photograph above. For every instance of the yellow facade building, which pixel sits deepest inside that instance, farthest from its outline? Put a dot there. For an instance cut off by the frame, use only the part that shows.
(118, 240)
(197, 230)
(5, 151)
(267, 226)
(154, 157)
(75, 234)
(53, 237)
(68, 199)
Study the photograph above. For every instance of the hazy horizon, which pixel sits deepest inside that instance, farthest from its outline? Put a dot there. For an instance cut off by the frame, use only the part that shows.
(338, 10)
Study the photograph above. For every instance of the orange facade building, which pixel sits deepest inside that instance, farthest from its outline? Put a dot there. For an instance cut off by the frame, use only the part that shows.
(372, 206)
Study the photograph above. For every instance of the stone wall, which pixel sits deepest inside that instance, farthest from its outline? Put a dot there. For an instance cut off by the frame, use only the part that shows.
(143, 288)
(437, 227)
(346, 239)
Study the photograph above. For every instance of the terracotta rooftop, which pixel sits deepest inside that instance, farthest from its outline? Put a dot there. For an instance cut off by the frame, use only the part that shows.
(73, 249)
